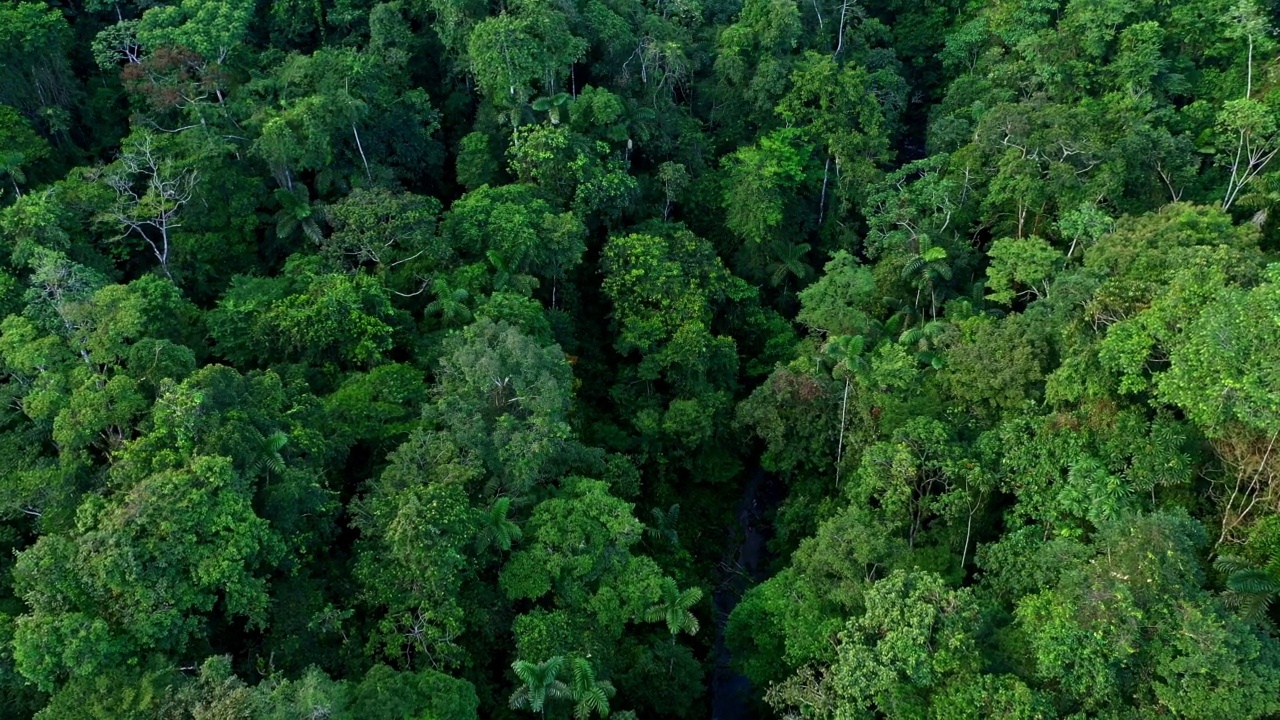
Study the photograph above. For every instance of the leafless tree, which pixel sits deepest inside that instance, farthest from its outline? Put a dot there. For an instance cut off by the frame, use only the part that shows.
(151, 192)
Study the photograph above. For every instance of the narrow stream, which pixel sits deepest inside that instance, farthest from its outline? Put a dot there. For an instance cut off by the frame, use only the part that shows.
(744, 565)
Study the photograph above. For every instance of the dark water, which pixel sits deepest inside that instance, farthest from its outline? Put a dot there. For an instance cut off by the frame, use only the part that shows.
(744, 565)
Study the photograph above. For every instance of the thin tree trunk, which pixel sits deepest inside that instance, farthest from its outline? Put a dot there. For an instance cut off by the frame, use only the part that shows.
(163, 257)
(1234, 185)
(964, 556)
(361, 149)
(844, 10)
(822, 203)
(844, 409)
(1248, 83)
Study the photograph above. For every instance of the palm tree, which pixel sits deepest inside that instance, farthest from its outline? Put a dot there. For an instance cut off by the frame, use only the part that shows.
(925, 340)
(673, 609)
(269, 459)
(507, 275)
(847, 353)
(905, 314)
(539, 684)
(496, 528)
(450, 303)
(297, 214)
(927, 268)
(787, 260)
(551, 106)
(1249, 587)
(664, 524)
(588, 694)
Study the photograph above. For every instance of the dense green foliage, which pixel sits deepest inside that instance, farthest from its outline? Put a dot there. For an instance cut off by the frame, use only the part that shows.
(447, 359)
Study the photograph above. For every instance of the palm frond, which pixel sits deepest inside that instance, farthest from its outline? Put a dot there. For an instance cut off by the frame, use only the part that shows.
(689, 598)
(583, 675)
(269, 459)
(1254, 582)
(276, 441)
(525, 670)
(1231, 563)
(519, 699)
(559, 691)
(1254, 608)
(934, 254)
(593, 701)
(312, 230)
(912, 267)
(691, 624)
